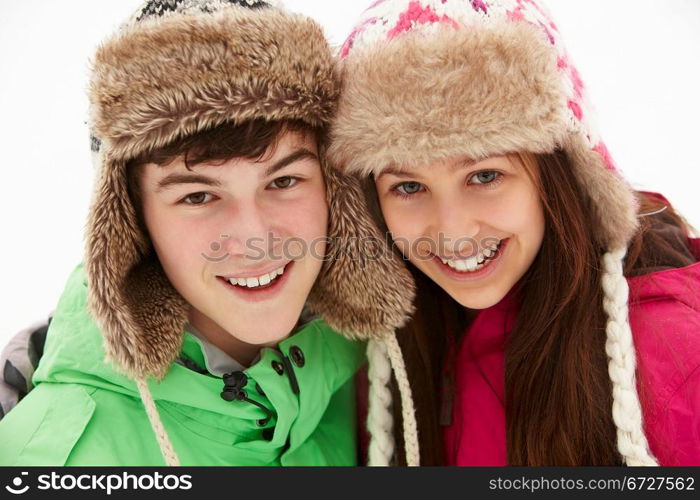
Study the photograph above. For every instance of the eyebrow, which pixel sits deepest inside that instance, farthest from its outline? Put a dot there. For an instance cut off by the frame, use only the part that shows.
(299, 154)
(175, 179)
(405, 174)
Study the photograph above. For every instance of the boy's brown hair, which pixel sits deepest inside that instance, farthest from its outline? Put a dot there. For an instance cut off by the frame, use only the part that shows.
(254, 139)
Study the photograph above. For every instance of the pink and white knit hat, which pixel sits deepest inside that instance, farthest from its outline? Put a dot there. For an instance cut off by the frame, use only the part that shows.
(426, 80)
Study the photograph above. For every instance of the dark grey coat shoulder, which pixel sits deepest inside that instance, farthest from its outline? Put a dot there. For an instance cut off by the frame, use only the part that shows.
(18, 361)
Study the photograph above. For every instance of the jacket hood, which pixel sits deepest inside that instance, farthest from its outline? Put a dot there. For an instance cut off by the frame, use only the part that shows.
(672, 284)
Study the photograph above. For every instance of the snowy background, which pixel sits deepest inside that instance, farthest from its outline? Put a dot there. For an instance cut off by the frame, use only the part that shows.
(639, 59)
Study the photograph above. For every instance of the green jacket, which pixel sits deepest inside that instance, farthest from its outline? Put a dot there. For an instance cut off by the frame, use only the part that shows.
(82, 412)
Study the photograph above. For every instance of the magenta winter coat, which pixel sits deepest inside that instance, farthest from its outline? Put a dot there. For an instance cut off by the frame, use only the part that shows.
(665, 320)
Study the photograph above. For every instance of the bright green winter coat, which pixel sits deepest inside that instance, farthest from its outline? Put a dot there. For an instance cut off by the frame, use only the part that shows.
(82, 412)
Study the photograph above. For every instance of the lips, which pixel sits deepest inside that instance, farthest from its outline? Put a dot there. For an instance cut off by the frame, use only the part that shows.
(480, 271)
(257, 281)
(258, 293)
(474, 262)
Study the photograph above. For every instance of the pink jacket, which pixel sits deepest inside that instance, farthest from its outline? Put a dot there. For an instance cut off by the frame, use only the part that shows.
(665, 320)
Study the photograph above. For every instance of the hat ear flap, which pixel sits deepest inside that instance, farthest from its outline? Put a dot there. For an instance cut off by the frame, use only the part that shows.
(140, 314)
(614, 203)
(364, 289)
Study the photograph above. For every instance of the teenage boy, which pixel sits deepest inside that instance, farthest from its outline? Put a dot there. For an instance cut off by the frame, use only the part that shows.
(215, 223)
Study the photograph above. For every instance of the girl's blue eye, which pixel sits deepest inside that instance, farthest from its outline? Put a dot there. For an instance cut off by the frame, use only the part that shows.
(485, 177)
(284, 182)
(197, 198)
(408, 187)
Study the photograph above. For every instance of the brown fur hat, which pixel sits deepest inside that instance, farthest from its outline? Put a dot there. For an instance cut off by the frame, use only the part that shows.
(179, 67)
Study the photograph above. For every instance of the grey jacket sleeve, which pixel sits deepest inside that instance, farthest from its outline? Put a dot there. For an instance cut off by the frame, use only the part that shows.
(18, 360)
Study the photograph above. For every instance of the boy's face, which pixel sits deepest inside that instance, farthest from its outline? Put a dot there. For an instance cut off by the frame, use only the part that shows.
(260, 224)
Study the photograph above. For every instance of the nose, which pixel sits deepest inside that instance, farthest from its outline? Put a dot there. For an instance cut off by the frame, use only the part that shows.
(248, 233)
(455, 226)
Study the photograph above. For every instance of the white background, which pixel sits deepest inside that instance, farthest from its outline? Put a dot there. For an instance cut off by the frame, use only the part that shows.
(639, 59)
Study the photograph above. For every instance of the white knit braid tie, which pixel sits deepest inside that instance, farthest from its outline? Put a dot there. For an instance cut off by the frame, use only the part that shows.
(166, 447)
(380, 421)
(627, 411)
(408, 412)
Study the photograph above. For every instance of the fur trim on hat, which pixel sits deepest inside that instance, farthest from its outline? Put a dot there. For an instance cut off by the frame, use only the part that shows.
(418, 98)
(612, 199)
(364, 290)
(165, 78)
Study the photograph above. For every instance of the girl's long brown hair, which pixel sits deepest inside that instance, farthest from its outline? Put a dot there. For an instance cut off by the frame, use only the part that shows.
(558, 393)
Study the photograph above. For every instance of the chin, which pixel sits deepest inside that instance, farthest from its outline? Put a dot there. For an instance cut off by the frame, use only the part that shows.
(264, 330)
(478, 299)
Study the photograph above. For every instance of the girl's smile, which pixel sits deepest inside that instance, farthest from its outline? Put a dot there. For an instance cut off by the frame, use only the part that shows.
(482, 220)
(477, 267)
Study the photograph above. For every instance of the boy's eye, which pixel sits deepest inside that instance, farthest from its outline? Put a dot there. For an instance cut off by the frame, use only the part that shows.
(197, 198)
(485, 177)
(408, 187)
(284, 182)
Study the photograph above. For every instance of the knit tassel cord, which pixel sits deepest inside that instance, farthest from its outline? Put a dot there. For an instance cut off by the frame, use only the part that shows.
(380, 421)
(166, 447)
(408, 412)
(627, 412)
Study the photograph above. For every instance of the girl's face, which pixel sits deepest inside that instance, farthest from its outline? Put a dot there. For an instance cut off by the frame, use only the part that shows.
(473, 227)
(242, 241)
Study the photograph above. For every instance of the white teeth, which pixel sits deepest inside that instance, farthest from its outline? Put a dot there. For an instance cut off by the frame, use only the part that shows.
(475, 263)
(469, 265)
(263, 280)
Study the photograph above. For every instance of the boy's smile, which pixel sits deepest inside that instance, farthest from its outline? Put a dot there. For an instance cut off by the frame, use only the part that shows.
(240, 240)
(257, 287)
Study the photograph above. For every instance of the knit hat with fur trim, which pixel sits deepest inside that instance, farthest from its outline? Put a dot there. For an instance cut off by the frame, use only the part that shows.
(427, 80)
(178, 67)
